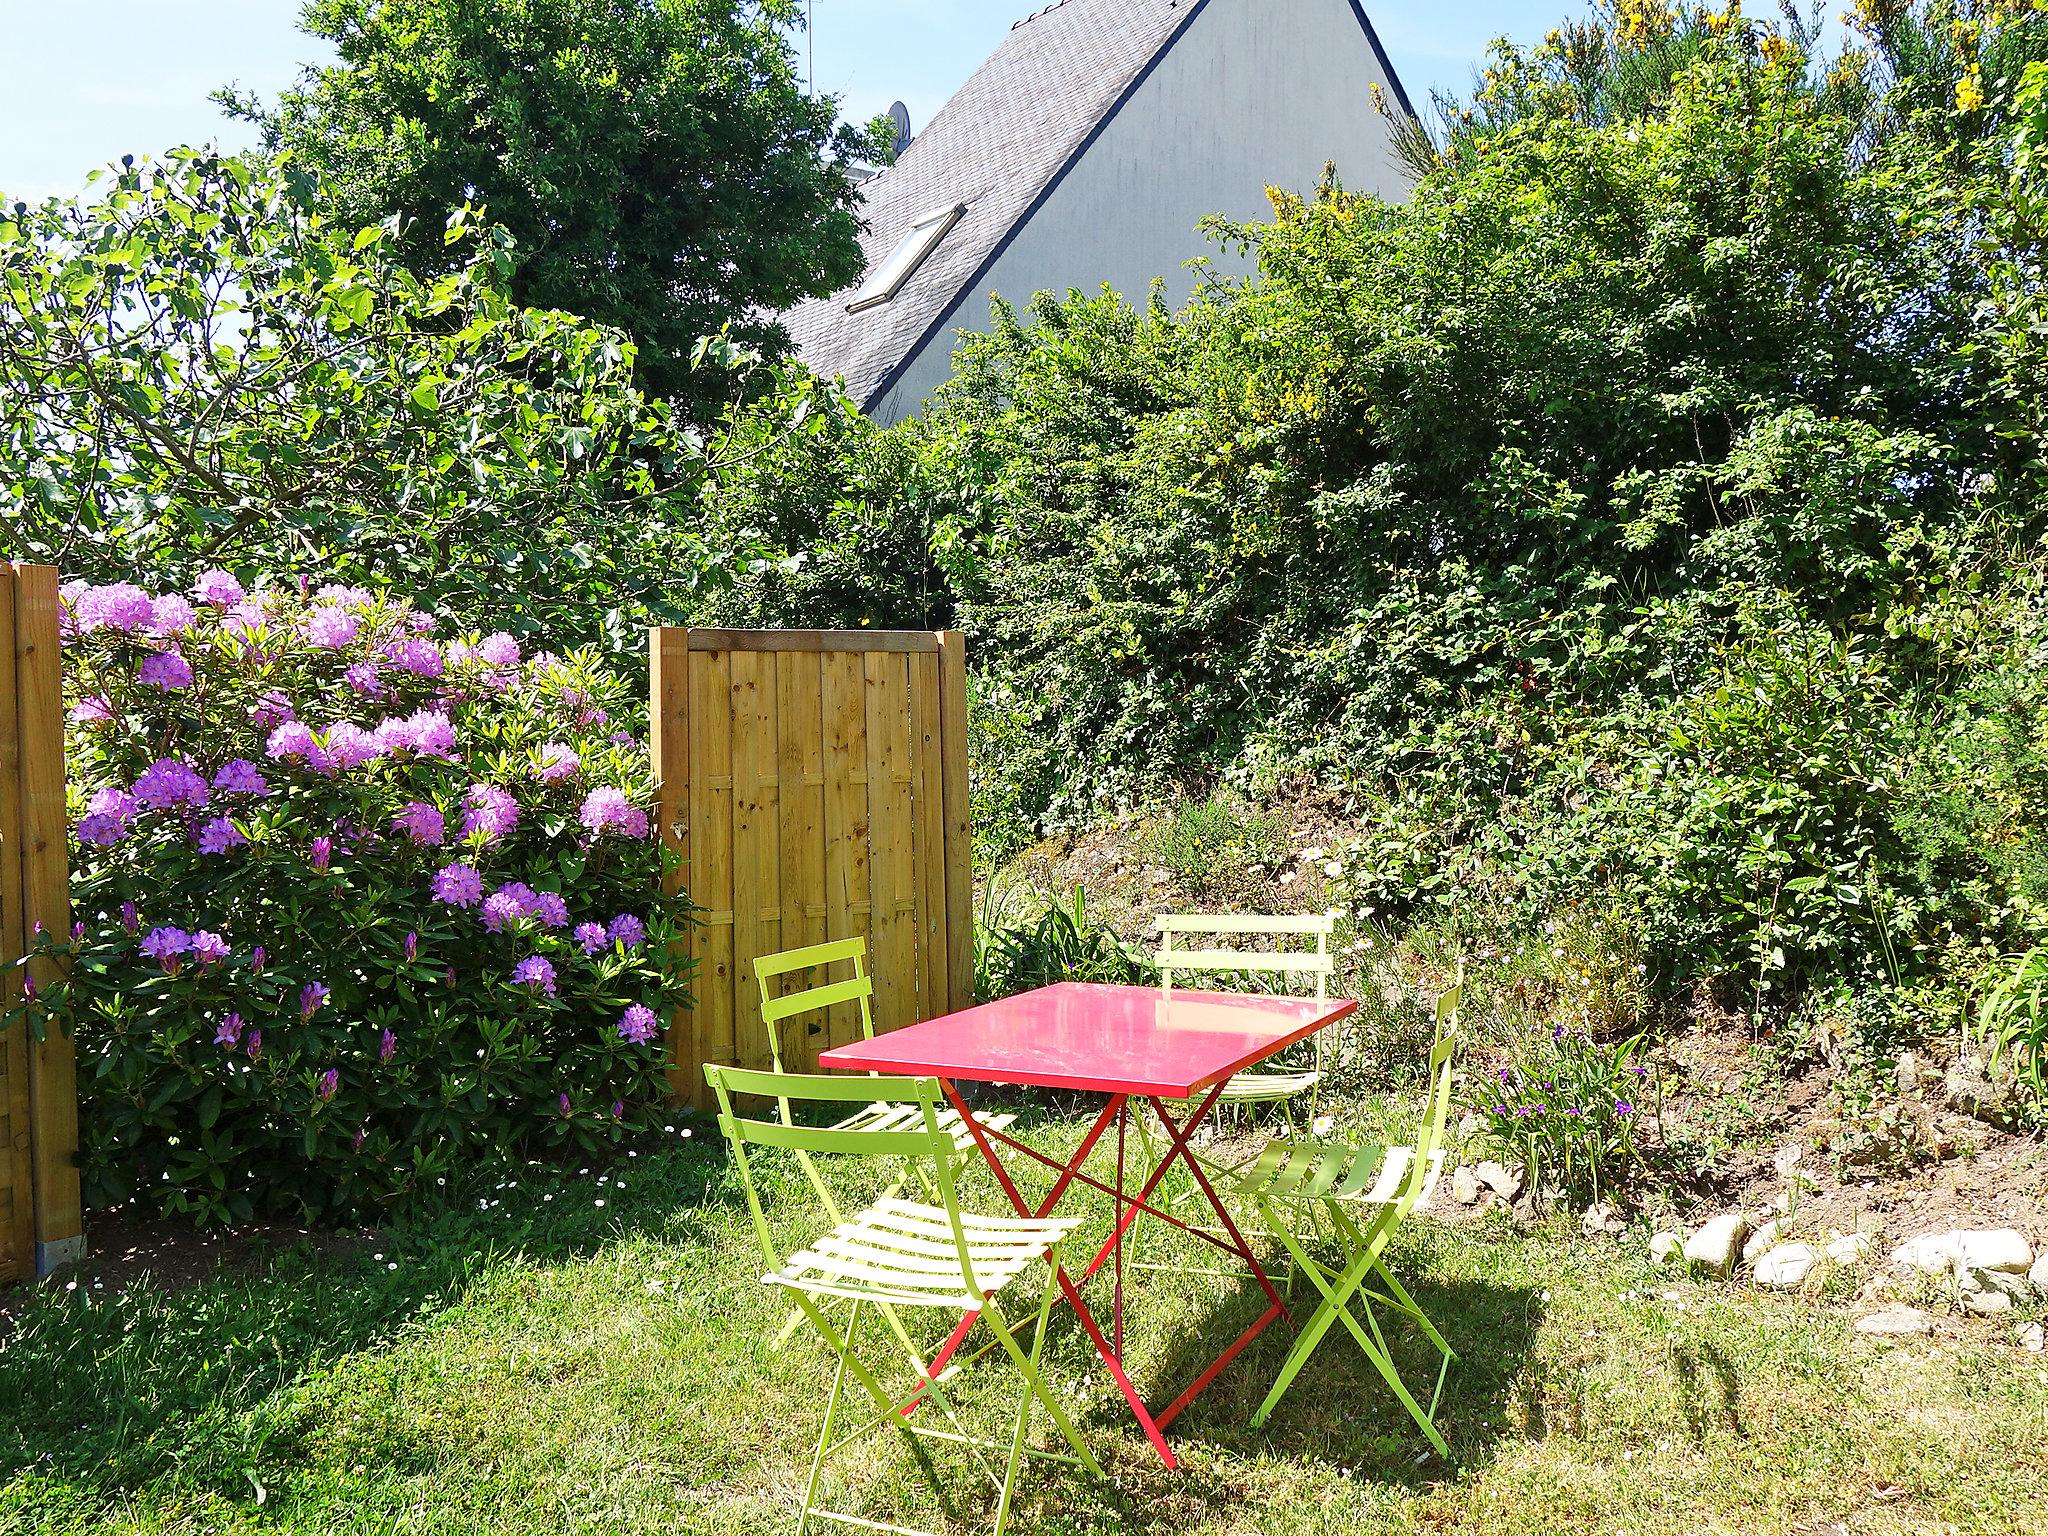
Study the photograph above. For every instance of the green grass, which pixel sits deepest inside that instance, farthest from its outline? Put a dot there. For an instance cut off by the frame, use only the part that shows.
(548, 1364)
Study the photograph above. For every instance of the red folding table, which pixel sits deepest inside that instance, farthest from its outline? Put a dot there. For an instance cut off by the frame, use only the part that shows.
(1129, 1043)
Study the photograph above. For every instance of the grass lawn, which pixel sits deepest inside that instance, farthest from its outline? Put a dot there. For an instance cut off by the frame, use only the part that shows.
(591, 1352)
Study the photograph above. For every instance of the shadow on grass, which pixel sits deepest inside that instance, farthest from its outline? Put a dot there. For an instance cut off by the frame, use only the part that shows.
(109, 1394)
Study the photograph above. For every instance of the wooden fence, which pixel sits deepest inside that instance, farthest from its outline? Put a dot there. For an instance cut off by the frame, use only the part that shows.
(815, 784)
(40, 1223)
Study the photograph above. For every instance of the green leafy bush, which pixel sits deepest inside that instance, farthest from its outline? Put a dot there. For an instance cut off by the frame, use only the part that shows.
(1211, 846)
(1569, 1109)
(1062, 943)
(356, 902)
(2011, 1024)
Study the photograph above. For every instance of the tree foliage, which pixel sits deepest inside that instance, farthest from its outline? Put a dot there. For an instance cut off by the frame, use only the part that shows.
(658, 164)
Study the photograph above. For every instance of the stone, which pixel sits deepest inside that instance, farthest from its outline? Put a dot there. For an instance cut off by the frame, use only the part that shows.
(1465, 1187)
(1786, 1267)
(1762, 1241)
(1714, 1246)
(1971, 1088)
(1602, 1220)
(1896, 1322)
(2039, 1273)
(1986, 1303)
(1502, 1180)
(1853, 1249)
(2018, 1287)
(1941, 1252)
(1667, 1248)
(2033, 1338)
(1786, 1159)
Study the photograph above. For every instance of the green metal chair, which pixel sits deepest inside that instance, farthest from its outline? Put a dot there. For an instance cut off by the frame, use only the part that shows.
(894, 1255)
(857, 988)
(1365, 1193)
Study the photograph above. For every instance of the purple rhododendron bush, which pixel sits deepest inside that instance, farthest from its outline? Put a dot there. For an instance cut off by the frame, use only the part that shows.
(356, 899)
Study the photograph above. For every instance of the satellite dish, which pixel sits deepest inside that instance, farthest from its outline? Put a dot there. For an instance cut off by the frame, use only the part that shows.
(899, 114)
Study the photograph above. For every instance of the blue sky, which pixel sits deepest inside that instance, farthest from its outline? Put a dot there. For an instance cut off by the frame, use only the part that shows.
(83, 82)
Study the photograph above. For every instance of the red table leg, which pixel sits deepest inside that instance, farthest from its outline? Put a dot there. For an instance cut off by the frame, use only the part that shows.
(1178, 1137)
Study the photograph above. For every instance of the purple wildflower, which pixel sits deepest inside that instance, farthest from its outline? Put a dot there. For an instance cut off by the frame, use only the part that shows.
(387, 1047)
(628, 930)
(592, 937)
(557, 763)
(365, 678)
(168, 782)
(256, 961)
(618, 1109)
(255, 1046)
(423, 823)
(323, 854)
(218, 589)
(412, 947)
(1624, 1108)
(218, 836)
(535, 973)
(311, 996)
(330, 1081)
(608, 810)
(459, 885)
(562, 1103)
(638, 1024)
(230, 1032)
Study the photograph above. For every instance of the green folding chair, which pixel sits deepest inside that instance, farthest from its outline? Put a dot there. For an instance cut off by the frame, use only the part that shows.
(1365, 1193)
(896, 1255)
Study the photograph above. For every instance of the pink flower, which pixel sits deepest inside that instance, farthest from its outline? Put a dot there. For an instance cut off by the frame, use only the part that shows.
(331, 627)
(295, 741)
(492, 812)
(165, 670)
(218, 589)
(171, 615)
(121, 606)
(428, 733)
(500, 650)
(168, 782)
(347, 597)
(422, 658)
(423, 823)
(557, 763)
(364, 678)
(507, 904)
(218, 836)
(552, 911)
(350, 746)
(638, 1024)
(241, 777)
(609, 810)
(459, 885)
(535, 973)
(106, 818)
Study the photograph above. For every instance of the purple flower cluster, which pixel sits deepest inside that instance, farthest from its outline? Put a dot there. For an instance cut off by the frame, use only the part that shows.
(535, 973)
(217, 836)
(170, 782)
(218, 589)
(557, 762)
(165, 670)
(421, 822)
(638, 1024)
(459, 885)
(490, 813)
(608, 810)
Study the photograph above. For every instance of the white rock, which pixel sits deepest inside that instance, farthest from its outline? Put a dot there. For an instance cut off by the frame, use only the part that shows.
(1667, 1247)
(1502, 1180)
(1762, 1240)
(1602, 1220)
(1940, 1252)
(1896, 1322)
(2033, 1338)
(1986, 1303)
(1714, 1246)
(2039, 1273)
(2018, 1287)
(1785, 1268)
(1853, 1249)
(1465, 1187)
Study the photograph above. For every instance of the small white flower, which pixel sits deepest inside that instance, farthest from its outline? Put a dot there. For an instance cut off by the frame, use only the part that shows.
(1324, 1124)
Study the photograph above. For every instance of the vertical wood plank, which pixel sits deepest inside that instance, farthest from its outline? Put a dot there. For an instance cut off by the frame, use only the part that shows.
(958, 857)
(46, 888)
(891, 876)
(848, 911)
(17, 1172)
(756, 864)
(800, 777)
(928, 822)
(668, 706)
(711, 797)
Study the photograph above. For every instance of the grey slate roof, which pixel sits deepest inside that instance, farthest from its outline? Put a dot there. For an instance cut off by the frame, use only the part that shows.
(996, 147)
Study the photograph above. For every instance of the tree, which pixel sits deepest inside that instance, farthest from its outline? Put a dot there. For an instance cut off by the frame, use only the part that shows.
(197, 369)
(657, 162)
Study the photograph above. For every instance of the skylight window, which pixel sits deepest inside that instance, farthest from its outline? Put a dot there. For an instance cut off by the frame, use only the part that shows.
(887, 280)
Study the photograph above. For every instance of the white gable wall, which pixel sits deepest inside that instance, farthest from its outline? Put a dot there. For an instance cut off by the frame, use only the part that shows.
(1255, 93)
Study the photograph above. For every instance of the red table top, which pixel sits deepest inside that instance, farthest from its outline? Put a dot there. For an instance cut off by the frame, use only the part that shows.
(1133, 1040)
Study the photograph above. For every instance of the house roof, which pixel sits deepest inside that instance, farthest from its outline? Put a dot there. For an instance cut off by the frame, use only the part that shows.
(998, 147)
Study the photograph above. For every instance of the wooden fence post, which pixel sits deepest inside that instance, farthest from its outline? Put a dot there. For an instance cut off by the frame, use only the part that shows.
(959, 831)
(46, 900)
(668, 695)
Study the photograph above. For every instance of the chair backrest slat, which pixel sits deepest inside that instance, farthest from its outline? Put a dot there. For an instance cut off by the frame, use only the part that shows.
(1258, 962)
(1316, 961)
(1324, 923)
(858, 988)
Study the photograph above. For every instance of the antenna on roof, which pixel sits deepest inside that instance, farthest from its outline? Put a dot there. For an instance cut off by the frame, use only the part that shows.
(899, 115)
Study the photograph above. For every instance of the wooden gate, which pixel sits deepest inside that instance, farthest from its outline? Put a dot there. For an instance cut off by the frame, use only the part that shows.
(815, 784)
(39, 1199)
